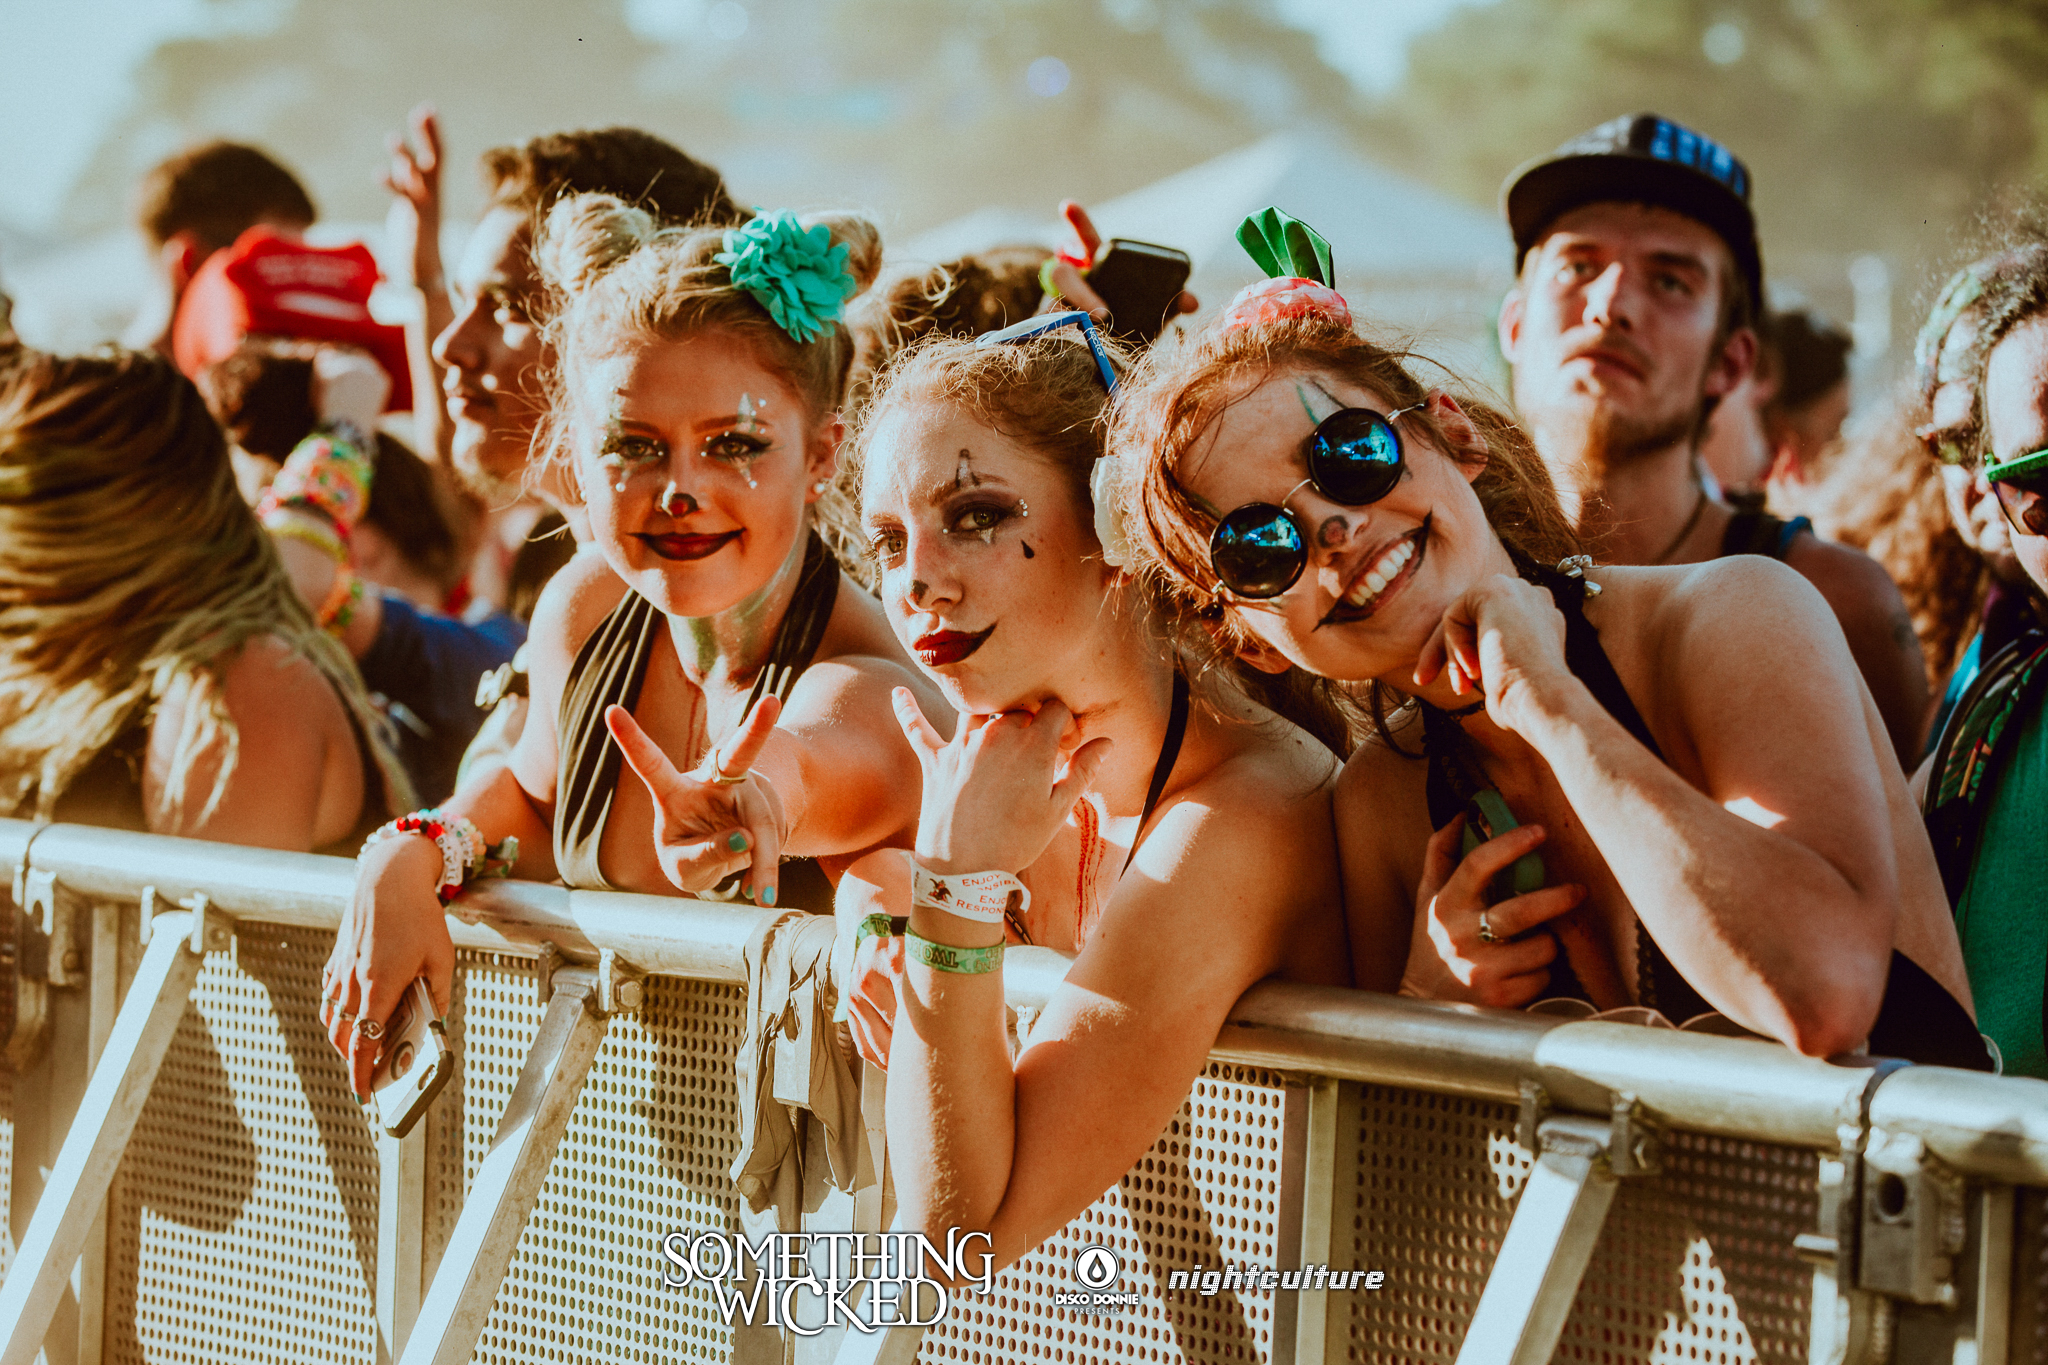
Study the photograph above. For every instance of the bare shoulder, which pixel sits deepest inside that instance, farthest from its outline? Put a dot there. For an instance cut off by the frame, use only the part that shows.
(1656, 611)
(267, 681)
(572, 605)
(1848, 578)
(1379, 793)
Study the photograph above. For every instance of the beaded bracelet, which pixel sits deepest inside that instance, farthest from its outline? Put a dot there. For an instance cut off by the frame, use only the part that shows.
(464, 855)
(942, 957)
(342, 600)
(310, 528)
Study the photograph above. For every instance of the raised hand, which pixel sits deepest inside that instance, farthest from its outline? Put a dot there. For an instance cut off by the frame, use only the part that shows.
(1448, 959)
(1068, 264)
(723, 816)
(1500, 637)
(414, 179)
(997, 791)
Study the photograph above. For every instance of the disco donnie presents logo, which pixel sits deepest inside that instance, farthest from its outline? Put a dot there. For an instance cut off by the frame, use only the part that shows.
(1097, 1270)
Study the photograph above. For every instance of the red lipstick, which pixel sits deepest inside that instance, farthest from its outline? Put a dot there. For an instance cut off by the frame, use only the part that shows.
(676, 546)
(943, 647)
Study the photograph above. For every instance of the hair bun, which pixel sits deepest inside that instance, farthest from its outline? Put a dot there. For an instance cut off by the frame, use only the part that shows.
(586, 235)
(863, 243)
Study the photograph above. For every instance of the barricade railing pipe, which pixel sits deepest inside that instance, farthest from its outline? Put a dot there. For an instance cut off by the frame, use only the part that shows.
(1985, 1128)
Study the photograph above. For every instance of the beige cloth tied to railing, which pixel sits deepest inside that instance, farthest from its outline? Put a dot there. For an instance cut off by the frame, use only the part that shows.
(793, 1060)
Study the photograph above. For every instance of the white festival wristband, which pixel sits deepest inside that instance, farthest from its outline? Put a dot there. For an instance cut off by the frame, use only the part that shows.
(982, 896)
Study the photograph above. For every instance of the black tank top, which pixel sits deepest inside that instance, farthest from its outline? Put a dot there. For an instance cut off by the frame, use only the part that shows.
(609, 670)
(1918, 1019)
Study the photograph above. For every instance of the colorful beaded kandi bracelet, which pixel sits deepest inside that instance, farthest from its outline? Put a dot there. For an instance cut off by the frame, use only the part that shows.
(464, 855)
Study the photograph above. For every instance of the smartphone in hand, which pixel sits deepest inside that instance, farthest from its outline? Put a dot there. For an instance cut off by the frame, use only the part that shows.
(1487, 817)
(415, 1064)
(1140, 282)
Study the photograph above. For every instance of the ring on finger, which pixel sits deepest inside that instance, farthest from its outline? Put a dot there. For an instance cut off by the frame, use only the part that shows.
(1486, 934)
(369, 1028)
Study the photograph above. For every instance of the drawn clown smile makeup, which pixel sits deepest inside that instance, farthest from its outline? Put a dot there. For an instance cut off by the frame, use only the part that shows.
(1382, 576)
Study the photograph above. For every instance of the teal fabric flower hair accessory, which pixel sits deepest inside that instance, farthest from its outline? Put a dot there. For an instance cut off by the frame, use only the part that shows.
(799, 276)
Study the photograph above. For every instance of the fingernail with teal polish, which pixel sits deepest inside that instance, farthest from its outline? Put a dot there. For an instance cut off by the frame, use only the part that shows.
(747, 891)
(737, 841)
(767, 895)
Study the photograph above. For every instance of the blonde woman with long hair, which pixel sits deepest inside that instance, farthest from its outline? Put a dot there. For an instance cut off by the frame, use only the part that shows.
(713, 644)
(157, 672)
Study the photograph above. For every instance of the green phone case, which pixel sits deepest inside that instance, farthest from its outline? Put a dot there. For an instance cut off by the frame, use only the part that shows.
(1487, 817)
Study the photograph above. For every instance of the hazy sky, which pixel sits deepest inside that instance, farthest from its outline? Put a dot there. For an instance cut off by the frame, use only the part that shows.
(65, 68)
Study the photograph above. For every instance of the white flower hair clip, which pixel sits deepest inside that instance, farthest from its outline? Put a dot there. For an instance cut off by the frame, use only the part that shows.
(1107, 482)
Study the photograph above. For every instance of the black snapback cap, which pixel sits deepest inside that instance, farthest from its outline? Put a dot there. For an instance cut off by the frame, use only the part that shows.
(1641, 159)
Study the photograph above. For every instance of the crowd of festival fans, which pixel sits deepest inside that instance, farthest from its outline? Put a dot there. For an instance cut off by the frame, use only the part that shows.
(683, 548)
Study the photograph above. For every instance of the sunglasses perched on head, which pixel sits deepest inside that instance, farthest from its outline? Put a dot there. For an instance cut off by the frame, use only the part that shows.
(1052, 322)
(2021, 484)
(1354, 458)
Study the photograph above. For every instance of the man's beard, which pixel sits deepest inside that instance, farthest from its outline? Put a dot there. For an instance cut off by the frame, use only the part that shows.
(1606, 439)
(495, 489)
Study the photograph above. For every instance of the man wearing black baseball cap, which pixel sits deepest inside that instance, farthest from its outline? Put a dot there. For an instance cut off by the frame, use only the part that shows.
(1632, 314)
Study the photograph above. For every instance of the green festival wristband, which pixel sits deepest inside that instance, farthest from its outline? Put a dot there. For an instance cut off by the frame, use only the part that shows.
(941, 957)
(878, 925)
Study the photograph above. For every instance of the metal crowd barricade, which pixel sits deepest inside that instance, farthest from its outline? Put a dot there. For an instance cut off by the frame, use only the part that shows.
(187, 1178)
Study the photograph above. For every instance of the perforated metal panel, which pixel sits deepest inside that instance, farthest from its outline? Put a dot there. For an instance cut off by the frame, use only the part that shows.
(648, 1152)
(2030, 1279)
(1208, 1193)
(6, 1170)
(243, 1225)
(1694, 1265)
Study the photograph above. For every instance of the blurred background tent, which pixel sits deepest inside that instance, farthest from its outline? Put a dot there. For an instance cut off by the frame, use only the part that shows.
(1408, 257)
(1876, 128)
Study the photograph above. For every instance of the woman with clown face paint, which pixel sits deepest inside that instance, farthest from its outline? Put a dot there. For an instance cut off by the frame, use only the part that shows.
(1710, 818)
(1102, 794)
(712, 644)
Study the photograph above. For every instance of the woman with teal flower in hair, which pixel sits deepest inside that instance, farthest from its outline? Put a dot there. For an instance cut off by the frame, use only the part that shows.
(708, 639)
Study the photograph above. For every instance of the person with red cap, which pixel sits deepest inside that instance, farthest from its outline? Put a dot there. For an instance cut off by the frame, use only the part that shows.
(1633, 314)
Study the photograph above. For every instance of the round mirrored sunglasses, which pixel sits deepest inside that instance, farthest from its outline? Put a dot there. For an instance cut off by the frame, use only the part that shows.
(1354, 459)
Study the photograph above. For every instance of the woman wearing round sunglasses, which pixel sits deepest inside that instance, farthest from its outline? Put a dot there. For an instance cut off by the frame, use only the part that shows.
(1689, 751)
(1099, 796)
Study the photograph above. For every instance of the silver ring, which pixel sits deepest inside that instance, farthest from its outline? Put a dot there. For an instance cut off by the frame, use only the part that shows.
(1486, 934)
(370, 1028)
(722, 780)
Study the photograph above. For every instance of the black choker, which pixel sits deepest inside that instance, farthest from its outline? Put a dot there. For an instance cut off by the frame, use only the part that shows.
(1463, 711)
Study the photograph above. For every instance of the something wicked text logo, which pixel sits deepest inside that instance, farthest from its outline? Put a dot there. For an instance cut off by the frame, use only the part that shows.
(806, 1282)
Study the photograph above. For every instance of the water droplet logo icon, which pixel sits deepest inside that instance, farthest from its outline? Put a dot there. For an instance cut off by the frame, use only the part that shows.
(1097, 1267)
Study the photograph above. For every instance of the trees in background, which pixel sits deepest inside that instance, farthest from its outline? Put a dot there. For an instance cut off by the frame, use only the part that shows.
(1872, 126)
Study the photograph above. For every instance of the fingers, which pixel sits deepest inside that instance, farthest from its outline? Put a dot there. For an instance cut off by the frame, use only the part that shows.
(1440, 857)
(871, 1031)
(1461, 641)
(644, 756)
(1081, 769)
(1467, 886)
(1075, 292)
(910, 716)
(1430, 662)
(764, 834)
(380, 1000)
(1084, 229)
(1518, 914)
(427, 128)
(752, 737)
